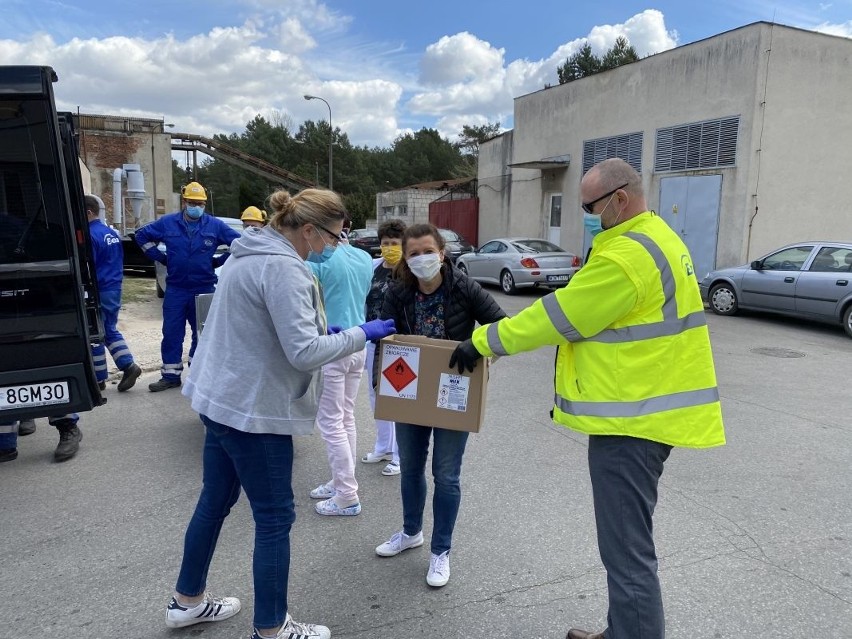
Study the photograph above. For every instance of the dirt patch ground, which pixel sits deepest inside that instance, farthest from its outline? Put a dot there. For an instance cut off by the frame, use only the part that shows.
(141, 323)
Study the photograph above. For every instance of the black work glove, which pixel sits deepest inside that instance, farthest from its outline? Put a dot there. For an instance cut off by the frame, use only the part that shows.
(465, 356)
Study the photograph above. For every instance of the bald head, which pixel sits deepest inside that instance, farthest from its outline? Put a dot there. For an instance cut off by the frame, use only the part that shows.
(616, 190)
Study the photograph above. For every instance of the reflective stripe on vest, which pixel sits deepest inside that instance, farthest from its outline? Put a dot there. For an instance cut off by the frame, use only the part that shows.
(671, 324)
(494, 343)
(685, 399)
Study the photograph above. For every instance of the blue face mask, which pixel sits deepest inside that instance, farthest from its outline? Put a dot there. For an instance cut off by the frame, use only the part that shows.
(319, 258)
(592, 223)
(194, 212)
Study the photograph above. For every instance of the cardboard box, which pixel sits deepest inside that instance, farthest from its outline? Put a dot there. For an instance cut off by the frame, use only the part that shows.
(417, 386)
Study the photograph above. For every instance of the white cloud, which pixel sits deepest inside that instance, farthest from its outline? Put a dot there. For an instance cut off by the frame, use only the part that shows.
(459, 58)
(466, 78)
(210, 83)
(294, 38)
(843, 29)
(215, 82)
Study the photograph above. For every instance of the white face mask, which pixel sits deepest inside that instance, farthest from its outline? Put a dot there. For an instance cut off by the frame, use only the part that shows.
(425, 267)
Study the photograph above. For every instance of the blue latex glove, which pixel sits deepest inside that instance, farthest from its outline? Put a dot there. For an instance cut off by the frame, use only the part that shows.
(377, 329)
(334, 330)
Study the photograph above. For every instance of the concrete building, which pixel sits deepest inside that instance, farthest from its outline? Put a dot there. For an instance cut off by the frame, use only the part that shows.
(743, 141)
(411, 203)
(107, 142)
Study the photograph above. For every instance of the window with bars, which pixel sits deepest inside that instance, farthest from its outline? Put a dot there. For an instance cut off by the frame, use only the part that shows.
(699, 145)
(628, 147)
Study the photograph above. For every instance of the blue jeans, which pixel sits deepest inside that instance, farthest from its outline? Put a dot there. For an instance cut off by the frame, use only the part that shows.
(110, 305)
(625, 473)
(447, 453)
(262, 465)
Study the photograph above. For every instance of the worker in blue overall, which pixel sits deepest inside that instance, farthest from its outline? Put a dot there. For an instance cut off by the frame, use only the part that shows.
(108, 256)
(190, 237)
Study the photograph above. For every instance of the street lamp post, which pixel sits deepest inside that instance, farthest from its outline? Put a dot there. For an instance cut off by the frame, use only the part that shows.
(330, 139)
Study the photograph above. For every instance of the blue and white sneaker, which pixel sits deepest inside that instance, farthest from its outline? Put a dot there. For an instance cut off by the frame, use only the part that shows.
(329, 507)
(293, 630)
(210, 609)
(323, 491)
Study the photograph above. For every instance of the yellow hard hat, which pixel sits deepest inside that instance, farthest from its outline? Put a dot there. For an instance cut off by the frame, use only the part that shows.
(253, 214)
(194, 191)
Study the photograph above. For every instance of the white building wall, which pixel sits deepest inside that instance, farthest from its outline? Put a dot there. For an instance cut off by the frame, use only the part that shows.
(803, 158)
(494, 178)
(408, 205)
(793, 153)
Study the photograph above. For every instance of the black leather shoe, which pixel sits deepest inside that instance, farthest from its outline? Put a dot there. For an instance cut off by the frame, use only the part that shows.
(163, 384)
(8, 454)
(69, 444)
(26, 427)
(102, 385)
(131, 374)
(582, 634)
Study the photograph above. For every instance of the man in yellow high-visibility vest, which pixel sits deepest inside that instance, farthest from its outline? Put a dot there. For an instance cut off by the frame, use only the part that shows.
(634, 371)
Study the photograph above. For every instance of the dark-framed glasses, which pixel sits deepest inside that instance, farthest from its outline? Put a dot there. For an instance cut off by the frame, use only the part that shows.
(336, 239)
(589, 207)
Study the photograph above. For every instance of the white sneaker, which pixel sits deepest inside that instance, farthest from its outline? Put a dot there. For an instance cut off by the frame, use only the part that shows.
(294, 630)
(373, 458)
(210, 609)
(399, 542)
(391, 469)
(323, 491)
(439, 570)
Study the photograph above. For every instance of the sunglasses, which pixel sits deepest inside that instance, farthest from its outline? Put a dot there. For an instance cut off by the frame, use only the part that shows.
(335, 237)
(589, 207)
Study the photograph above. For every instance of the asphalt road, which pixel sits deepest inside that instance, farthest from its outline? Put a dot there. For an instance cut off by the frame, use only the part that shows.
(754, 538)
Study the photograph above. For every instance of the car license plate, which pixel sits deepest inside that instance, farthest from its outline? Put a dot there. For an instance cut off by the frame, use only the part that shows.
(28, 395)
(558, 278)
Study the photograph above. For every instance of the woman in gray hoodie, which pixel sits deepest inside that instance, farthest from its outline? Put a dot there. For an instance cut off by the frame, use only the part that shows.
(254, 395)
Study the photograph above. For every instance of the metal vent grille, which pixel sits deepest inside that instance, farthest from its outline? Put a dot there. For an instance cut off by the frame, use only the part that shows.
(699, 145)
(628, 147)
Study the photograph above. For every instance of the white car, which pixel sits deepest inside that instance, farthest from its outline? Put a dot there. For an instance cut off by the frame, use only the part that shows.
(160, 269)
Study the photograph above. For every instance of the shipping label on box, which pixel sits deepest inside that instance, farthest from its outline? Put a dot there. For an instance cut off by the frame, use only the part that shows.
(417, 386)
(453, 392)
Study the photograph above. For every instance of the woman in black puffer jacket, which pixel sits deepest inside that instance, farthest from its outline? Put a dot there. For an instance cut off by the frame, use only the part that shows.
(431, 298)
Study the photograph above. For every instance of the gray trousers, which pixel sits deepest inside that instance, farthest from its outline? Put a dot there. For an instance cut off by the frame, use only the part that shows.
(625, 472)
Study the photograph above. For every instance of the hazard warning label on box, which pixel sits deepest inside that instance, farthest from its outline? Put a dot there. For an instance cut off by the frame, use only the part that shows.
(453, 392)
(400, 368)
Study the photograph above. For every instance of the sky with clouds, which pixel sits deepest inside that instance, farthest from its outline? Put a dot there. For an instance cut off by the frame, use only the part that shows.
(384, 66)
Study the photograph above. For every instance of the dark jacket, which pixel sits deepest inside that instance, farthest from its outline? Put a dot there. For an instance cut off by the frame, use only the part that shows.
(467, 303)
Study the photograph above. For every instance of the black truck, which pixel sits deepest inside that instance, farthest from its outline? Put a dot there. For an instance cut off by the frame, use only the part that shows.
(48, 289)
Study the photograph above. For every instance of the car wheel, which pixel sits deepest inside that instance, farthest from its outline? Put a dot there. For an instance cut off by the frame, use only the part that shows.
(507, 283)
(847, 320)
(460, 266)
(160, 292)
(723, 299)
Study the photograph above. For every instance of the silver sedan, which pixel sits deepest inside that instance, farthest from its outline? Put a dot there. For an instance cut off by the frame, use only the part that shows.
(516, 262)
(811, 280)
